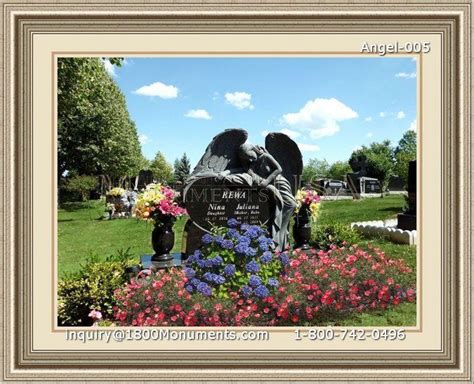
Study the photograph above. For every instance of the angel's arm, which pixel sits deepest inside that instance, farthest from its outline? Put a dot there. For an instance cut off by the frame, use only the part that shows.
(276, 170)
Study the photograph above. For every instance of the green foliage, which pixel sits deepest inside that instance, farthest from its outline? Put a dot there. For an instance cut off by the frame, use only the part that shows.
(404, 153)
(162, 170)
(323, 236)
(82, 184)
(91, 288)
(379, 159)
(339, 170)
(182, 169)
(95, 132)
(315, 169)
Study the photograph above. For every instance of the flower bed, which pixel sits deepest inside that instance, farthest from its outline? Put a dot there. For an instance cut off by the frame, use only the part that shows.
(314, 287)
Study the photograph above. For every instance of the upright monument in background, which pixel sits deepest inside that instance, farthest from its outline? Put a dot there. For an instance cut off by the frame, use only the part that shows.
(236, 179)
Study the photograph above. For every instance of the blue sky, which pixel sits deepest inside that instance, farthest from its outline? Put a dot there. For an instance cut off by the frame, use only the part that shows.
(329, 106)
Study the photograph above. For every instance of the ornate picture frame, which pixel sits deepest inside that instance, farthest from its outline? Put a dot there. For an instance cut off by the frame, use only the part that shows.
(26, 29)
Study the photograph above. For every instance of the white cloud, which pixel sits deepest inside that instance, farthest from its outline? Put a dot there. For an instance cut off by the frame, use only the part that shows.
(400, 115)
(143, 139)
(198, 114)
(382, 114)
(412, 126)
(240, 100)
(369, 134)
(290, 133)
(405, 75)
(158, 89)
(319, 117)
(110, 68)
(368, 118)
(308, 147)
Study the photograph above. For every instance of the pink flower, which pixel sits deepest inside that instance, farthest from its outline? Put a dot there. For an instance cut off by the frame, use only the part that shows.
(95, 315)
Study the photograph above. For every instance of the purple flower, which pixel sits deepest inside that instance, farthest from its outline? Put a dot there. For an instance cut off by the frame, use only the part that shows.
(272, 282)
(232, 223)
(216, 260)
(250, 252)
(218, 279)
(266, 257)
(241, 248)
(284, 258)
(246, 290)
(261, 291)
(264, 243)
(229, 270)
(227, 244)
(189, 288)
(252, 267)
(244, 227)
(232, 233)
(254, 281)
(189, 272)
(207, 238)
(219, 240)
(204, 289)
(195, 282)
(207, 276)
(253, 231)
(202, 263)
(245, 240)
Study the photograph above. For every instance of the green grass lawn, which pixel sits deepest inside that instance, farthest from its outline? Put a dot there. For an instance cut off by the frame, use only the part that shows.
(82, 233)
(349, 211)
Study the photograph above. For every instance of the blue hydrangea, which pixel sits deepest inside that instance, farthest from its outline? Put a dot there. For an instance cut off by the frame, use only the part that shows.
(195, 282)
(244, 227)
(254, 281)
(227, 244)
(189, 288)
(218, 279)
(261, 291)
(189, 272)
(204, 289)
(284, 258)
(232, 233)
(250, 252)
(245, 240)
(207, 276)
(241, 248)
(252, 267)
(232, 223)
(272, 282)
(253, 231)
(264, 243)
(266, 257)
(201, 263)
(207, 238)
(246, 290)
(219, 240)
(216, 261)
(229, 270)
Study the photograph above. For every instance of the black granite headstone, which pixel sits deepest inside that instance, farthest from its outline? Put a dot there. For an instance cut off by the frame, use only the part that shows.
(371, 185)
(210, 203)
(407, 220)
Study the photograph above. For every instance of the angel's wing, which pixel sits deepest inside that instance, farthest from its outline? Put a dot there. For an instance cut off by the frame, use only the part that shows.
(222, 153)
(288, 155)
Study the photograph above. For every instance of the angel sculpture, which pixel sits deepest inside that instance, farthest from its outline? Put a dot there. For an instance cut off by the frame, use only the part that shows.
(277, 167)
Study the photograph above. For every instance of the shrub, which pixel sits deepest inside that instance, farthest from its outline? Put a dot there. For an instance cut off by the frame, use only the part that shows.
(82, 184)
(92, 288)
(314, 288)
(323, 236)
(237, 258)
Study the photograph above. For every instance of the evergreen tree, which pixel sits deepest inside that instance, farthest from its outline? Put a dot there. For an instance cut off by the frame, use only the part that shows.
(182, 169)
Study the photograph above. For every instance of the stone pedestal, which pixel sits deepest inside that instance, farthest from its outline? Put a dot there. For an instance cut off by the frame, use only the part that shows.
(148, 263)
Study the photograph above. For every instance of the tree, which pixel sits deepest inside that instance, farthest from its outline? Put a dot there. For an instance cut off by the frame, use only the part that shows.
(82, 184)
(96, 135)
(182, 169)
(378, 160)
(404, 153)
(339, 170)
(162, 170)
(315, 169)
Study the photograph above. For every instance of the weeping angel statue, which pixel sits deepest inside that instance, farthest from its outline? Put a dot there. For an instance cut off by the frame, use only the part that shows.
(277, 167)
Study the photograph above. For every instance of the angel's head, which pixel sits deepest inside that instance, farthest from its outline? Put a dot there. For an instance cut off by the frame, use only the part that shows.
(247, 153)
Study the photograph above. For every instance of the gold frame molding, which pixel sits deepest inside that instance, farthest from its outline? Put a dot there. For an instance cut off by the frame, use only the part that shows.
(22, 19)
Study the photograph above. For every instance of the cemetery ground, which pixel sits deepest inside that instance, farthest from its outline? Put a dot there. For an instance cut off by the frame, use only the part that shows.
(82, 234)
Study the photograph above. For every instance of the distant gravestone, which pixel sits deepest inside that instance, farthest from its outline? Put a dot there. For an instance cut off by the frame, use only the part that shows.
(396, 184)
(370, 185)
(334, 188)
(145, 177)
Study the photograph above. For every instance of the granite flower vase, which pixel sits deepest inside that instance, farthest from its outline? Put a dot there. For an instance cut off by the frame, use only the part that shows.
(302, 228)
(162, 240)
